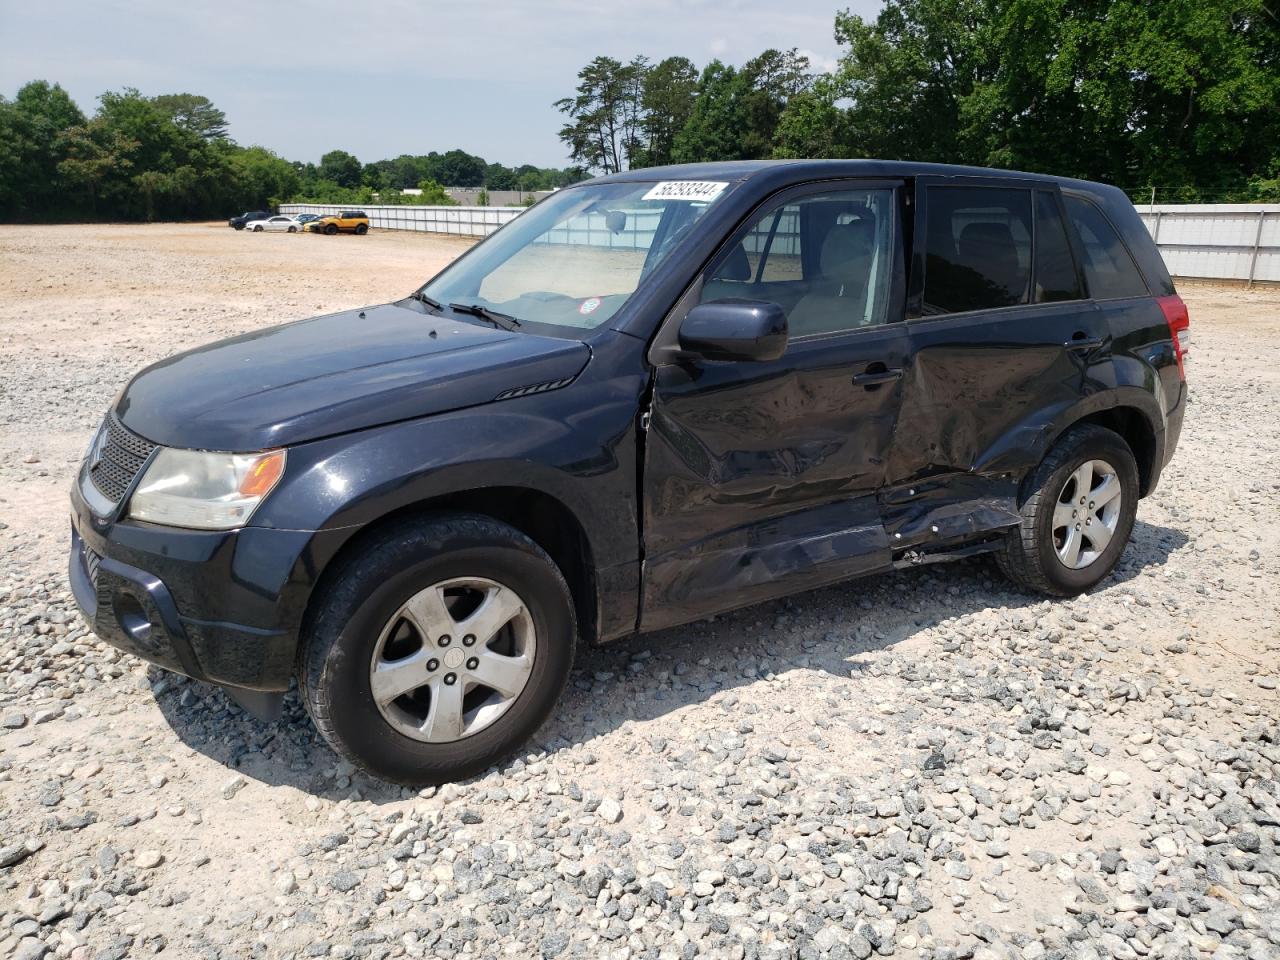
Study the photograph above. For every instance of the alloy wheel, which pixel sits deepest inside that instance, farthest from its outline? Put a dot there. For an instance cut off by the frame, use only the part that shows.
(1086, 514)
(453, 659)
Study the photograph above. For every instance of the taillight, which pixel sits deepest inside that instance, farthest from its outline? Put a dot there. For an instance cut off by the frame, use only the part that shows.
(1175, 314)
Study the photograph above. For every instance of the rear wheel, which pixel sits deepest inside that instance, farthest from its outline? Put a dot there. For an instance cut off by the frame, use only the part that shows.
(442, 646)
(1078, 511)
(330, 228)
(362, 229)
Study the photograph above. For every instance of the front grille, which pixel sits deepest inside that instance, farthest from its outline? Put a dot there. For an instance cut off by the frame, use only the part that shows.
(115, 461)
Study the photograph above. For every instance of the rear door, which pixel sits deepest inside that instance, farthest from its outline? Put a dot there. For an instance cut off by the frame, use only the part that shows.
(1003, 342)
(760, 478)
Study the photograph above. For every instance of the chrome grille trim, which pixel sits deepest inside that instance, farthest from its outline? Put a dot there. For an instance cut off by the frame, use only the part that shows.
(115, 463)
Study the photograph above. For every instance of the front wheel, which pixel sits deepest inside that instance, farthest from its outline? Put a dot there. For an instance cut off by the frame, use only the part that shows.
(362, 229)
(439, 648)
(330, 229)
(257, 229)
(1078, 509)
(293, 229)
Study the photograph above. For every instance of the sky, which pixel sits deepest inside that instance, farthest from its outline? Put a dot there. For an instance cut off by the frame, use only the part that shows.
(387, 77)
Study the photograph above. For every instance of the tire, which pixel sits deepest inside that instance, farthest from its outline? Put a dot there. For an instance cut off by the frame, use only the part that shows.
(239, 226)
(330, 229)
(257, 229)
(293, 229)
(363, 612)
(362, 229)
(1037, 555)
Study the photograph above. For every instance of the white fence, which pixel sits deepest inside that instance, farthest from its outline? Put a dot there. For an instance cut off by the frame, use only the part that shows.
(461, 221)
(1217, 241)
(1211, 241)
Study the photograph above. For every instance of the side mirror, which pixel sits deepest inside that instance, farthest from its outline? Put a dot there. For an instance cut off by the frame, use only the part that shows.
(735, 330)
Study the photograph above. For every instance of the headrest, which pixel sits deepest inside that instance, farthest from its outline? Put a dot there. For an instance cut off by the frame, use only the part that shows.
(846, 250)
(979, 241)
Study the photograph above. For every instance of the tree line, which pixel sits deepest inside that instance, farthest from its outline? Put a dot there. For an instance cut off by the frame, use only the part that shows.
(170, 158)
(1182, 99)
(1179, 99)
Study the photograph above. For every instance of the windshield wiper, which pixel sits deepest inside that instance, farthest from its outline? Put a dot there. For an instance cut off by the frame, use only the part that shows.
(426, 301)
(503, 320)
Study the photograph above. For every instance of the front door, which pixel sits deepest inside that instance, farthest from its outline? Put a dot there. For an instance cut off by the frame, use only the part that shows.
(760, 478)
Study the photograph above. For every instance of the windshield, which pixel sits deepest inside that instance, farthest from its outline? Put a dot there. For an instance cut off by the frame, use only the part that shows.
(572, 261)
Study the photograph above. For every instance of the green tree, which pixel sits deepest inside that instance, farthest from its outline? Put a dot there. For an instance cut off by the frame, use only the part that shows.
(93, 154)
(340, 167)
(1181, 96)
(194, 113)
(775, 77)
(667, 97)
(813, 125)
(719, 117)
(498, 177)
(457, 168)
(605, 114)
(263, 179)
(31, 146)
(434, 195)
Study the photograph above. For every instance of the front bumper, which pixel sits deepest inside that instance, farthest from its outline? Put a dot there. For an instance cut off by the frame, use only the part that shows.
(221, 606)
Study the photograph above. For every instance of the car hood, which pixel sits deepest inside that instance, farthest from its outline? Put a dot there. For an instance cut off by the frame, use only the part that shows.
(333, 374)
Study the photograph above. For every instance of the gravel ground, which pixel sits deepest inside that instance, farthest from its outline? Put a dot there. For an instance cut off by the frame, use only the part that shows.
(924, 764)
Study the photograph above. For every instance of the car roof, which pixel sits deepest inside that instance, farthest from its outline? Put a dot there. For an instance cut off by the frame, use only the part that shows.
(799, 171)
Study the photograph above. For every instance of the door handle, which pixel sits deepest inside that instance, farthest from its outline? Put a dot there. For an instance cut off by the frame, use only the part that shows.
(875, 375)
(1081, 342)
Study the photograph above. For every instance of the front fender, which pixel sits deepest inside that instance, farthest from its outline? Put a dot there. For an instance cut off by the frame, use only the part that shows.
(579, 450)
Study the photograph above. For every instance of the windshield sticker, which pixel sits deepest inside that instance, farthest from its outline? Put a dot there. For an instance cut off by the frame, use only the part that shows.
(685, 190)
(589, 305)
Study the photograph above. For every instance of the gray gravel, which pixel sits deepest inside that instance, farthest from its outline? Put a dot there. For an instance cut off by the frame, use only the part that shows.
(925, 764)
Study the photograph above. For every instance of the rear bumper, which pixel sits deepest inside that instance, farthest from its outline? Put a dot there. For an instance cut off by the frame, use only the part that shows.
(221, 606)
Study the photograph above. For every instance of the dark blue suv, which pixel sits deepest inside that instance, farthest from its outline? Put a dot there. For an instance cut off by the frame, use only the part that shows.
(651, 398)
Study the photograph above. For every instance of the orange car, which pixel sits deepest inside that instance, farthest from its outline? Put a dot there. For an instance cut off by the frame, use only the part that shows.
(346, 221)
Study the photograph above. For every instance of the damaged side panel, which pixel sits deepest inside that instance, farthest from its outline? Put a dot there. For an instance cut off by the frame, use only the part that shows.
(750, 564)
(760, 479)
(982, 396)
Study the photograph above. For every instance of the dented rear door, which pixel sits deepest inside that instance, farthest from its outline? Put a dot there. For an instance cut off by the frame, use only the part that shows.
(987, 378)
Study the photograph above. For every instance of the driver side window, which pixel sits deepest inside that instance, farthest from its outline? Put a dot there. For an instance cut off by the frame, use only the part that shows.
(826, 260)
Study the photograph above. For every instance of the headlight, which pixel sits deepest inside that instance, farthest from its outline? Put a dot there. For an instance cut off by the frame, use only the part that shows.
(207, 491)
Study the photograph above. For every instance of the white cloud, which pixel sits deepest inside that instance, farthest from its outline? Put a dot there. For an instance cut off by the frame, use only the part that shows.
(820, 62)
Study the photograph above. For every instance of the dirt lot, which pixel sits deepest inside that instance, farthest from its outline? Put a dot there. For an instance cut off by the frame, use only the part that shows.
(924, 764)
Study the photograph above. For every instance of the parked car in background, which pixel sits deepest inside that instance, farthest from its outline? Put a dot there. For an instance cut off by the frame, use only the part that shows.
(778, 375)
(239, 222)
(346, 221)
(277, 224)
(305, 218)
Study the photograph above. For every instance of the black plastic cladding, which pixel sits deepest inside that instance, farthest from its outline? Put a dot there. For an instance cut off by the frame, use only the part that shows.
(753, 479)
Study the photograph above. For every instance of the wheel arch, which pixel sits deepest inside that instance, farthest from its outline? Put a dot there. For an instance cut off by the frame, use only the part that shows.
(543, 518)
(1136, 429)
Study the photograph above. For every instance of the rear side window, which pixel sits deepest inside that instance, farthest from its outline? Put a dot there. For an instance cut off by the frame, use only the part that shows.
(1056, 277)
(977, 248)
(1109, 271)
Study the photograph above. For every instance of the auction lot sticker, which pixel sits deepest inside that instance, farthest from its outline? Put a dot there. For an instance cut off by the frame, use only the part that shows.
(685, 190)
